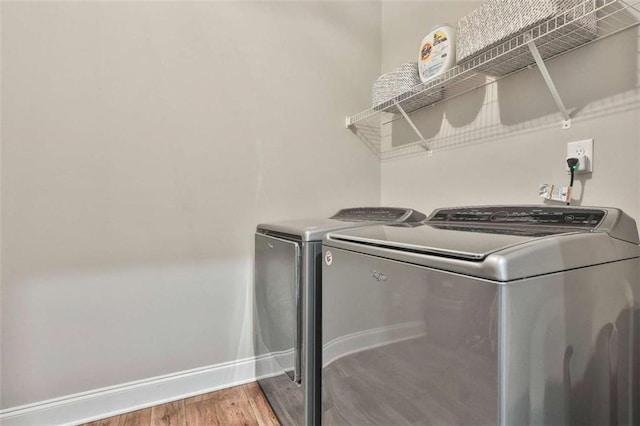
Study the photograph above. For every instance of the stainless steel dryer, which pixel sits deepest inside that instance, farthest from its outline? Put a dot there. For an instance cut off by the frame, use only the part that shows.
(509, 315)
(287, 279)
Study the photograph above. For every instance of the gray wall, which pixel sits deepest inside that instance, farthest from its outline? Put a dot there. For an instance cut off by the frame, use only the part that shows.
(141, 144)
(497, 144)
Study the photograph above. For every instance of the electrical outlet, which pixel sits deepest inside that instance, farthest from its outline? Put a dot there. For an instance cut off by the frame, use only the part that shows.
(582, 150)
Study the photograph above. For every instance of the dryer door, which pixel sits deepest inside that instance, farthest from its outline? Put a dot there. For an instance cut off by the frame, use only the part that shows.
(277, 292)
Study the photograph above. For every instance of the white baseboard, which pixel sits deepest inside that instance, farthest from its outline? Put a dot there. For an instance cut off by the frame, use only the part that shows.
(106, 402)
(114, 400)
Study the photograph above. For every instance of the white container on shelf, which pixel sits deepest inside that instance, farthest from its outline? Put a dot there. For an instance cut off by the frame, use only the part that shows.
(437, 52)
(496, 21)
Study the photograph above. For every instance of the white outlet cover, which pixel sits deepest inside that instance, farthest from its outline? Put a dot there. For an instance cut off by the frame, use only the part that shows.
(578, 148)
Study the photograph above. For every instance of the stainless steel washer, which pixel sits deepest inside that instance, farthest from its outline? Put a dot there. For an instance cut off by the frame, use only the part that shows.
(287, 280)
(483, 315)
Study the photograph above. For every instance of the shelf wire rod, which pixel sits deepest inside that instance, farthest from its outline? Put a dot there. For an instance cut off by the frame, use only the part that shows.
(547, 79)
(423, 141)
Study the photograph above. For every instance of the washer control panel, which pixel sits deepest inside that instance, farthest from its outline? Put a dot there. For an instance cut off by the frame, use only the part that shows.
(521, 215)
(379, 214)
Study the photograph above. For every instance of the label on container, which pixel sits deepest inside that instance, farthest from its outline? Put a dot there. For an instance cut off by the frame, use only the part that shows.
(434, 54)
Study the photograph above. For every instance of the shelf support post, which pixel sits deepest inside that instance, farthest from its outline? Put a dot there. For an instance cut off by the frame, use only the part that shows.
(566, 123)
(424, 144)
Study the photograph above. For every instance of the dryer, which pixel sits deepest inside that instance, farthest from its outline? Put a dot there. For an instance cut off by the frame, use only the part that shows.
(287, 281)
(483, 315)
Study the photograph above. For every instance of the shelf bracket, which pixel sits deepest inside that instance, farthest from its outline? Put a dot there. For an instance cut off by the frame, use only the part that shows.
(423, 141)
(566, 122)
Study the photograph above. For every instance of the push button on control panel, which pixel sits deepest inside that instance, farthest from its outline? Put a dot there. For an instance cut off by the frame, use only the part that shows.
(499, 216)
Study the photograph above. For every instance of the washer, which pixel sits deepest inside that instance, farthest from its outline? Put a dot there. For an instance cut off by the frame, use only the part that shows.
(483, 315)
(287, 279)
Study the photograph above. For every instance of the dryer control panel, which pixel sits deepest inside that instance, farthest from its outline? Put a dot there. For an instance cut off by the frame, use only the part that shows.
(379, 214)
(521, 215)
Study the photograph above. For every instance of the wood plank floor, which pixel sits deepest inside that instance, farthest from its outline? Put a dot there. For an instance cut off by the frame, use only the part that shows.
(240, 405)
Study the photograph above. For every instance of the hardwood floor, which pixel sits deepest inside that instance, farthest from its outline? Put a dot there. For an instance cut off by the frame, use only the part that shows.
(240, 405)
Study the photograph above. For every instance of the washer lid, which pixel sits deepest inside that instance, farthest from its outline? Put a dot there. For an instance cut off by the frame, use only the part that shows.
(460, 242)
(307, 229)
(501, 250)
(315, 229)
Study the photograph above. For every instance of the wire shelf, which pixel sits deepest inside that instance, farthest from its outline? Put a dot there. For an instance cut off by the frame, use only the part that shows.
(589, 21)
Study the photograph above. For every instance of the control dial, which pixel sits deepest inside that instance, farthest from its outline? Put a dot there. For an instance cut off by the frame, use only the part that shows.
(499, 216)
